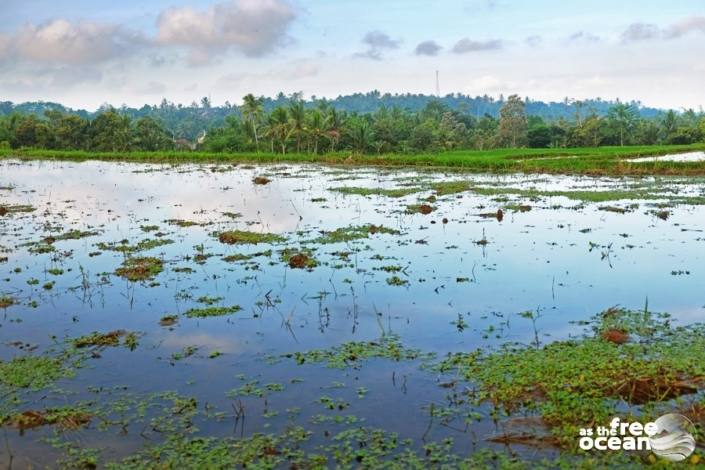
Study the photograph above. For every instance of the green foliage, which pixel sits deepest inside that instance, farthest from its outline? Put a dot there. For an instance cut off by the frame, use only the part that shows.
(347, 234)
(573, 382)
(35, 372)
(291, 125)
(233, 237)
(140, 268)
(351, 354)
(397, 192)
(212, 311)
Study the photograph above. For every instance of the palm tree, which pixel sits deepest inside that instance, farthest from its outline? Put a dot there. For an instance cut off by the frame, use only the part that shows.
(317, 128)
(297, 114)
(278, 128)
(252, 109)
(361, 134)
(624, 117)
(334, 126)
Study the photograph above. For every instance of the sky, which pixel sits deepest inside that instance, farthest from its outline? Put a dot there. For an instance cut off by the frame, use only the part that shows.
(86, 53)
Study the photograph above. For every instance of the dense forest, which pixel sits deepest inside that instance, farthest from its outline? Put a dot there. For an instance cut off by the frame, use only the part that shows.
(364, 123)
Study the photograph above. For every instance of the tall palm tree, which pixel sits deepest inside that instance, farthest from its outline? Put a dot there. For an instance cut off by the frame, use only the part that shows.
(361, 134)
(334, 125)
(624, 117)
(317, 128)
(252, 109)
(297, 114)
(278, 128)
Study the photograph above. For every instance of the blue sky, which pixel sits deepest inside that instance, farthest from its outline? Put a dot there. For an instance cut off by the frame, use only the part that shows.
(85, 53)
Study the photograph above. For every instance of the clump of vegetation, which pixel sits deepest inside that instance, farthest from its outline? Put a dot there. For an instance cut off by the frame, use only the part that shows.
(40, 248)
(633, 357)
(351, 233)
(111, 338)
(392, 268)
(208, 300)
(168, 320)
(123, 246)
(6, 301)
(66, 418)
(517, 207)
(181, 222)
(590, 196)
(353, 352)
(397, 281)
(212, 311)
(299, 259)
(398, 192)
(140, 268)
(34, 372)
(4, 210)
(74, 235)
(261, 180)
(424, 209)
(234, 237)
(450, 187)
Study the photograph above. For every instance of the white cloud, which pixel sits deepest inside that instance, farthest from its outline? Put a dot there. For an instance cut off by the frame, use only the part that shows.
(380, 40)
(254, 27)
(377, 42)
(640, 32)
(430, 48)
(466, 45)
(685, 26)
(583, 36)
(644, 31)
(61, 42)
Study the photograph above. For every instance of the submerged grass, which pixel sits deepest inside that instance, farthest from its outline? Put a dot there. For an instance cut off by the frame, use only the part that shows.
(353, 232)
(234, 237)
(34, 372)
(583, 382)
(584, 160)
(353, 352)
(212, 311)
(591, 196)
(140, 268)
(398, 192)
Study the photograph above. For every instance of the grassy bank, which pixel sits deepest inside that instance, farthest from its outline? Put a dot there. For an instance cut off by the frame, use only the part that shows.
(594, 161)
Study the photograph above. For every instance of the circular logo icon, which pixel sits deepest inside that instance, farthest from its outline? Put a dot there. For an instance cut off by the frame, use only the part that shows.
(672, 440)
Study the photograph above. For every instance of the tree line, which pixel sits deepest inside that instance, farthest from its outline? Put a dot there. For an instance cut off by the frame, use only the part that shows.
(296, 126)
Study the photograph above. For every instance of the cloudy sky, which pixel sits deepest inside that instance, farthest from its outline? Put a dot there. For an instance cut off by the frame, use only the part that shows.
(87, 52)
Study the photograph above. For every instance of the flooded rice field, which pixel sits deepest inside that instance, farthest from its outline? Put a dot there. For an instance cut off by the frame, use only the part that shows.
(291, 310)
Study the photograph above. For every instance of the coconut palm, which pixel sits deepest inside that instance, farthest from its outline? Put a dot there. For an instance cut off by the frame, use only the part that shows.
(317, 127)
(334, 126)
(297, 115)
(278, 128)
(252, 109)
(360, 134)
(623, 116)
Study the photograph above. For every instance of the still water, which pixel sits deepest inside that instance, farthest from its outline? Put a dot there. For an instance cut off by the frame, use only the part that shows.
(456, 279)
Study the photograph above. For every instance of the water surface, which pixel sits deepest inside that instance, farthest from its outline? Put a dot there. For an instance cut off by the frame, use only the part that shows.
(463, 277)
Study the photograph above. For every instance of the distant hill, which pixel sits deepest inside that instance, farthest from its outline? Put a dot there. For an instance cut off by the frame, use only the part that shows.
(189, 121)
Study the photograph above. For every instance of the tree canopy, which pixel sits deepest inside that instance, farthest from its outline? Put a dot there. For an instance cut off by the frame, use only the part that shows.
(294, 125)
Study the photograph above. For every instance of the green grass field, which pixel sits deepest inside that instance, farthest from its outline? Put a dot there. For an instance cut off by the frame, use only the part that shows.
(591, 161)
